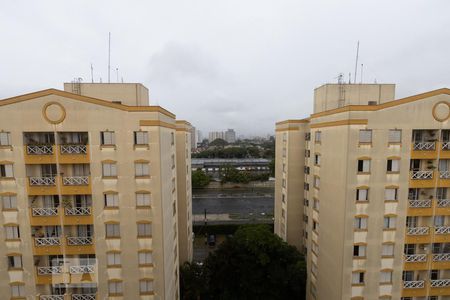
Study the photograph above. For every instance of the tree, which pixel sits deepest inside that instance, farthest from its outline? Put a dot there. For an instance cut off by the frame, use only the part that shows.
(192, 281)
(200, 179)
(231, 174)
(219, 143)
(272, 167)
(255, 264)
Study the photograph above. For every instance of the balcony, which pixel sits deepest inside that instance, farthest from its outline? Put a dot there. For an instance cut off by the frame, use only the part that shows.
(423, 150)
(416, 235)
(440, 283)
(39, 154)
(70, 185)
(68, 297)
(428, 207)
(76, 185)
(415, 261)
(415, 284)
(73, 154)
(58, 274)
(421, 179)
(415, 257)
(80, 245)
(73, 246)
(51, 216)
(53, 297)
(84, 296)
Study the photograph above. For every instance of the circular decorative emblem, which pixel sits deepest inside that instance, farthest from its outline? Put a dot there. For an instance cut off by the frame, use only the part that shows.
(441, 111)
(54, 112)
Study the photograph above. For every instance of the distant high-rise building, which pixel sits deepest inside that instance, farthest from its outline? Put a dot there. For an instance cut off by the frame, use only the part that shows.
(230, 136)
(362, 187)
(214, 135)
(193, 138)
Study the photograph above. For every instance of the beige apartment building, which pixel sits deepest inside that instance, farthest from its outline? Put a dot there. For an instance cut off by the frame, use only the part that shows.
(362, 187)
(94, 195)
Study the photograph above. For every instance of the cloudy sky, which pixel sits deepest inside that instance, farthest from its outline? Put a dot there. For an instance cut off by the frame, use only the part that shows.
(226, 64)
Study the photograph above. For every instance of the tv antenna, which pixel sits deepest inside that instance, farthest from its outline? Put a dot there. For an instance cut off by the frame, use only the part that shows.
(109, 58)
(92, 73)
(356, 64)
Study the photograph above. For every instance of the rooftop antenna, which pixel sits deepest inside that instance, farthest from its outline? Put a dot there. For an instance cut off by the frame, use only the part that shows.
(100, 80)
(92, 73)
(117, 75)
(356, 64)
(362, 69)
(109, 58)
(341, 101)
(349, 78)
(122, 79)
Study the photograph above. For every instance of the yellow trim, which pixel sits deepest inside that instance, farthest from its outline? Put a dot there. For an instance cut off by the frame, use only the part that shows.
(143, 192)
(183, 122)
(364, 158)
(394, 157)
(44, 112)
(143, 222)
(301, 121)
(110, 192)
(383, 105)
(340, 123)
(145, 251)
(157, 123)
(86, 99)
(8, 194)
(141, 161)
(287, 129)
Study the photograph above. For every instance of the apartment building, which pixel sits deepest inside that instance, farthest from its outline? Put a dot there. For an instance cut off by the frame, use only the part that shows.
(362, 187)
(92, 195)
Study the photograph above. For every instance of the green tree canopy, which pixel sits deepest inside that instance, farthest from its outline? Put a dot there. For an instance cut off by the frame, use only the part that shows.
(200, 179)
(219, 143)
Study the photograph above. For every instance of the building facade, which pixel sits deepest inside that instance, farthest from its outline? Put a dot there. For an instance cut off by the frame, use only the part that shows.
(362, 188)
(228, 136)
(90, 190)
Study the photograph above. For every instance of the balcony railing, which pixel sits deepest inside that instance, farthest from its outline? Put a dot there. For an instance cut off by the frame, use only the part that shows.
(445, 145)
(44, 211)
(83, 297)
(51, 297)
(440, 283)
(444, 174)
(79, 240)
(81, 269)
(418, 230)
(47, 241)
(46, 181)
(76, 180)
(78, 211)
(39, 149)
(424, 146)
(441, 257)
(416, 284)
(443, 202)
(420, 203)
(73, 149)
(442, 229)
(421, 175)
(415, 257)
(49, 270)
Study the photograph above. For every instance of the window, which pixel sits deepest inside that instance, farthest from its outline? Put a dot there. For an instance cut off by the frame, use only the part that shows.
(317, 159)
(307, 136)
(143, 199)
(112, 230)
(393, 165)
(391, 194)
(111, 200)
(359, 251)
(363, 165)
(395, 136)
(145, 258)
(315, 226)
(365, 136)
(109, 169)
(6, 171)
(172, 138)
(362, 194)
(17, 290)
(9, 202)
(316, 204)
(283, 198)
(145, 286)
(173, 161)
(306, 170)
(389, 222)
(283, 183)
(5, 139)
(360, 223)
(306, 186)
(387, 250)
(141, 169)
(358, 278)
(113, 259)
(174, 208)
(317, 136)
(144, 229)
(283, 213)
(12, 232)
(115, 287)
(386, 277)
(141, 138)
(307, 153)
(108, 138)
(15, 262)
(316, 182)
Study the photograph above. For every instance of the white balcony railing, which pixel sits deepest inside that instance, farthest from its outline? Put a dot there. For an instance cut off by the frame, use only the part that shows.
(51, 297)
(73, 149)
(442, 229)
(43, 181)
(440, 283)
(49, 270)
(48, 241)
(443, 202)
(422, 175)
(444, 174)
(81, 269)
(78, 211)
(424, 146)
(420, 203)
(416, 284)
(83, 297)
(441, 257)
(79, 240)
(418, 230)
(39, 149)
(44, 211)
(76, 180)
(415, 257)
(445, 145)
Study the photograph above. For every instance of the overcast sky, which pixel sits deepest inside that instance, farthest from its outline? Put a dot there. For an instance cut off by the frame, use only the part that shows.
(226, 64)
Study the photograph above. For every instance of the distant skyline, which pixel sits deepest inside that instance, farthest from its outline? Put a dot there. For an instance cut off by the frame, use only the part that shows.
(232, 64)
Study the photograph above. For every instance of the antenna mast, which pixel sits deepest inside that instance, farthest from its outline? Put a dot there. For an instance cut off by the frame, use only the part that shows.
(109, 58)
(92, 73)
(362, 69)
(356, 64)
